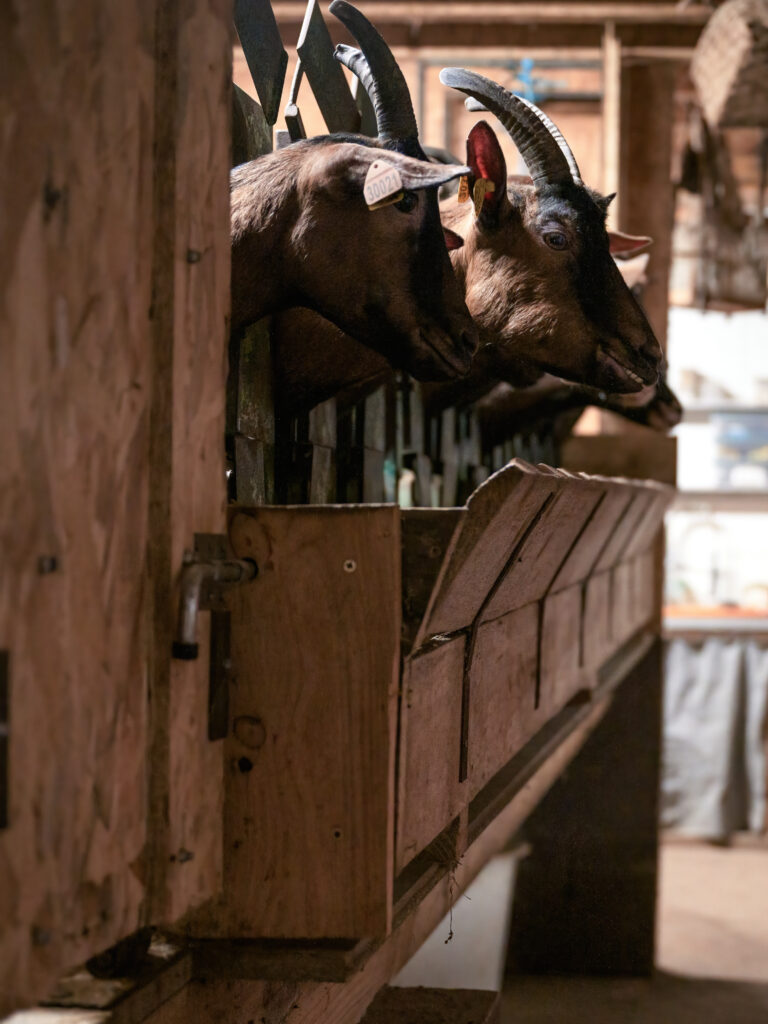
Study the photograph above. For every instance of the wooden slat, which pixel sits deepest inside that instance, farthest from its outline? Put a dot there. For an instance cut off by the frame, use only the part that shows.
(315, 645)
(264, 52)
(429, 793)
(251, 135)
(560, 673)
(427, 535)
(547, 546)
(197, 483)
(595, 536)
(625, 529)
(499, 512)
(596, 621)
(324, 74)
(502, 710)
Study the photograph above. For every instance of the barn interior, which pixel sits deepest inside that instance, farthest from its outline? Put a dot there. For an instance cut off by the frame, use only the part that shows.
(383, 512)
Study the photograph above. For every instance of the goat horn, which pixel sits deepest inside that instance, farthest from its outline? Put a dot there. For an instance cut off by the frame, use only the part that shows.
(381, 78)
(546, 153)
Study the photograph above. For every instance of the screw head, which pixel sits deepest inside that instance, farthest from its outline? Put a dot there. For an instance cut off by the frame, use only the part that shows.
(350, 565)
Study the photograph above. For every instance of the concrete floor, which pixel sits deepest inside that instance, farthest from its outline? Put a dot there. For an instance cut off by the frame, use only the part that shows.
(712, 952)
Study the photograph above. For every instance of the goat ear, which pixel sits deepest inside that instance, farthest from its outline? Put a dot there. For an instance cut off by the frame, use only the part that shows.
(487, 162)
(452, 240)
(421, 174)
(623, 246)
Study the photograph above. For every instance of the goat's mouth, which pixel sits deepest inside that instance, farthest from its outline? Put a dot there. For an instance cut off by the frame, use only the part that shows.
(622, 377)
(449, 357)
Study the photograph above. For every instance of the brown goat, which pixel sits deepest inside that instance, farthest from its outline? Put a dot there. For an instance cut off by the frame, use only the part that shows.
(303, 235)
(536, 266)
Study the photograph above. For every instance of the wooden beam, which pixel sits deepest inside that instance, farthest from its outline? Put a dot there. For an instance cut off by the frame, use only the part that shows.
(384, 11)
(611, 119)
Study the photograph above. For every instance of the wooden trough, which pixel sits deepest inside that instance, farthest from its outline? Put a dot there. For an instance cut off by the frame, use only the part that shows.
(389, 667)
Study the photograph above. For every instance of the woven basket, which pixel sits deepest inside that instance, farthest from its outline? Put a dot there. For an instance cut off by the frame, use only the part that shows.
(730, 65)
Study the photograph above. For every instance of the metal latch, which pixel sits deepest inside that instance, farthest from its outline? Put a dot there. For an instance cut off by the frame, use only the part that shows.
(205, 574)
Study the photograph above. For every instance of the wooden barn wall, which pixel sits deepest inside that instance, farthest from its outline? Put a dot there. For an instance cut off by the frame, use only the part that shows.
(101, 337)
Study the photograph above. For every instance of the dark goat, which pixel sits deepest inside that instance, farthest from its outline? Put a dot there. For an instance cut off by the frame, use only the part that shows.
(554, 406)
(303, 235)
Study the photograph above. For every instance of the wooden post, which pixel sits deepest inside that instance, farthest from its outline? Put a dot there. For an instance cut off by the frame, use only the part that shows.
(585, 899)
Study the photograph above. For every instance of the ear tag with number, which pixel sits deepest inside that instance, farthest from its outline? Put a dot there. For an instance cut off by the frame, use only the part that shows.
(463, 189)
(383, 185)
(482, 187)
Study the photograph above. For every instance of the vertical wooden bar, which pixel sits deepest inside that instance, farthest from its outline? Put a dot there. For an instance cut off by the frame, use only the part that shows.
(612, 119)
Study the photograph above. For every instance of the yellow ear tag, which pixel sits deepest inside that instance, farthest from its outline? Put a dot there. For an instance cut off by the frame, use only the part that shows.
(463, 189)
(383, 185)
(482, 187)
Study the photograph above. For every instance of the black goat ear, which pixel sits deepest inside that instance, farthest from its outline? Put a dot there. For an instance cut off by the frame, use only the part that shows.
(488, 165)
(606, 201)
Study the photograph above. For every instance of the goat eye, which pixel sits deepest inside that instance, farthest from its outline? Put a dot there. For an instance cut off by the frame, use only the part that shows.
(556, 240)
(407, 203)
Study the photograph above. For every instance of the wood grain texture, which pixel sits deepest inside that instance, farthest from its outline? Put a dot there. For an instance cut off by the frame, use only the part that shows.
(498, 513)
(546, 546)
(198, 484)
(502, 709)
(236, 1002)
(429, 793)
(75, 290)
(315, 644)
(595, 535)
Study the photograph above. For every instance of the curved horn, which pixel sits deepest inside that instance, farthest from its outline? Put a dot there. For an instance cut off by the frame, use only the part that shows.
(546, 153)
(381, 78)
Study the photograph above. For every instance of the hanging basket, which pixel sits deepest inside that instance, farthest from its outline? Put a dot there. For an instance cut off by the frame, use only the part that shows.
(730, 65)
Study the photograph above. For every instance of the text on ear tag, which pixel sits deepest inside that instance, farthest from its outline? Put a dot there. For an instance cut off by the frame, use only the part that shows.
(463, 189)
(383, 184)
(482, 187)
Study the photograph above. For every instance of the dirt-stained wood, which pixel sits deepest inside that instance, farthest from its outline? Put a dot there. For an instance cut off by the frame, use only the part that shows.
(75, 293)
(309, 769)
(429, 792)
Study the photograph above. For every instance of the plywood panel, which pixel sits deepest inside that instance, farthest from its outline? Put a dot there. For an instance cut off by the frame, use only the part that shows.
(75, 293)
(309, 769)
(429, 792)
(502, 710)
